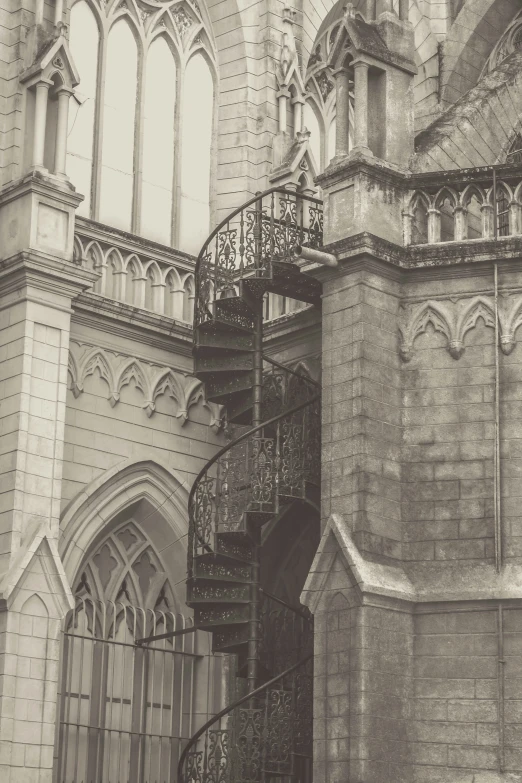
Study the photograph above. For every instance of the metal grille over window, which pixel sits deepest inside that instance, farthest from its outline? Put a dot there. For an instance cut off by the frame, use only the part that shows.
(125, 711)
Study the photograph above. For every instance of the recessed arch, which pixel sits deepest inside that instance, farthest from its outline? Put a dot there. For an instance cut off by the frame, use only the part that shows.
(161, 490)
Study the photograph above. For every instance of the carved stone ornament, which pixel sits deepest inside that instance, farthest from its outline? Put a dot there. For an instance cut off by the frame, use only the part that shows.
(454, 318)
(288, 56)
(58, 63)
(324, 84)
(182, 20)
(119, 371)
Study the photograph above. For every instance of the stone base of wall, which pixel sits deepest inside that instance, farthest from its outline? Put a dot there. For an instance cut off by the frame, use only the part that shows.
(410, 689)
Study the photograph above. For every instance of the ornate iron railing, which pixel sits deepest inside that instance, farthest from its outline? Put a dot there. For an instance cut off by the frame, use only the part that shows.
(259, 737)
(265, 229)
(261, 469)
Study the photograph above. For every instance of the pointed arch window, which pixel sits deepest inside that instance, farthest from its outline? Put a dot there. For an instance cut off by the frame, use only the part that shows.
(84, 42)
(141, 159)
(158, 142)
(119, 115)
(125, 712)
(196, 143)
(320, 109)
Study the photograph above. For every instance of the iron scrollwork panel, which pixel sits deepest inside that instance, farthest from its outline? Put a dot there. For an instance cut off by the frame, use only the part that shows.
(278, 744)
(291, 463)
(226, 271)
(262, 478)
(248, 745)
(203, 513)
(218, 762)
(233, 481)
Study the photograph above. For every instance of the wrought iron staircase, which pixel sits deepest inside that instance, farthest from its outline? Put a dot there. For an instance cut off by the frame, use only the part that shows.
(272, 464)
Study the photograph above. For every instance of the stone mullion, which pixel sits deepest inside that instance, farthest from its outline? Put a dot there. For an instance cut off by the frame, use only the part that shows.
(98, 125)
(178, 156)
(139, 126)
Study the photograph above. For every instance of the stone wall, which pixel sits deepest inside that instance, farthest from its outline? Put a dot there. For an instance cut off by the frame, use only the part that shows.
(462, 682)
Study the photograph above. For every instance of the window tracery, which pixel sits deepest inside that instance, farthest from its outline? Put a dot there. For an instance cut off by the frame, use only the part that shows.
(134, 121)
(509, 42)
(320, 109)
(124, 567)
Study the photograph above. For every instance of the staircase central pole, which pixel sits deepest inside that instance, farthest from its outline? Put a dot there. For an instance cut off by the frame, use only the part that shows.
(255, 587)
(257, 413)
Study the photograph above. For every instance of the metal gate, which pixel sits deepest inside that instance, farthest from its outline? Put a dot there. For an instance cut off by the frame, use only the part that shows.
(125, 711)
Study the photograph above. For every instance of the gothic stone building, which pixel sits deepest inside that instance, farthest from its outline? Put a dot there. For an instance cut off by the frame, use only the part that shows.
(260, 391)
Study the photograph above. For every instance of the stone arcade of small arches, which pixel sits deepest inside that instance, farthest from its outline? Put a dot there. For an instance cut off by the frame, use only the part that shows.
(450, 214)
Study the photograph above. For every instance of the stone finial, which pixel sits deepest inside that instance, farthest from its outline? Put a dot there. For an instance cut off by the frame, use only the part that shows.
(288, 48)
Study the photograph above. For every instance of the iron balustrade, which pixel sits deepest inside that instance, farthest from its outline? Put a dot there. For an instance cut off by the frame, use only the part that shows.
(265, 466)
(245, 244)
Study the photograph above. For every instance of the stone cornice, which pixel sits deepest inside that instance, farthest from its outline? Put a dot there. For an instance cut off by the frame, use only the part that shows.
(470, 251)
(401, 584)
(43, 185)
(427, 261)
(45, 273)
(359, 164)
(123, 320)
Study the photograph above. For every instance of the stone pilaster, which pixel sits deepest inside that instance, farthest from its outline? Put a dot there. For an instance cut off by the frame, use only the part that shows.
(38, 283)
(363, 664)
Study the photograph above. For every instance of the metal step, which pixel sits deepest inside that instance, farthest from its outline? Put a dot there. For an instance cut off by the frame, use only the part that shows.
(219, 389)
(234, 548)
(235, 307)
(239, 411)
(209, 339)
(221, 569)
(221, 616)
(231, 362)
(230, 641)
(201, 592)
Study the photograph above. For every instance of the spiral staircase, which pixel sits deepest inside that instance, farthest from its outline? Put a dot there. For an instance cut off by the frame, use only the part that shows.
(271, 466)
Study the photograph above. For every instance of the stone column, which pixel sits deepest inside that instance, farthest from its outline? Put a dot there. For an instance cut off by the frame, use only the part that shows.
(361, 105)
(404, 7)
(461, 222)
(40, 123)
(298, 104)
(283, 96)
(342, 86)
(434, 227)
(363, 640)
(58, 12)
(60, 148)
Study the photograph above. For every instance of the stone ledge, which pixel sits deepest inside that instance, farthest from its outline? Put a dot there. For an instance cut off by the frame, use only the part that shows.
(407, 583)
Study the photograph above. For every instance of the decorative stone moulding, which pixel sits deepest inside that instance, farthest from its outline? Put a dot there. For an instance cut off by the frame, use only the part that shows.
(457, 205)
(455, 318)
(152, 380)
(136, 278)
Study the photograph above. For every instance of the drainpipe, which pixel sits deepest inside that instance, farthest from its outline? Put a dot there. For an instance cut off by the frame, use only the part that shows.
(496, 484)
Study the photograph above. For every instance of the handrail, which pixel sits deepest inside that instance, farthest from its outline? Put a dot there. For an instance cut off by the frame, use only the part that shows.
(233, 706)
(278, 600)
(244, 436)
(292, 372)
